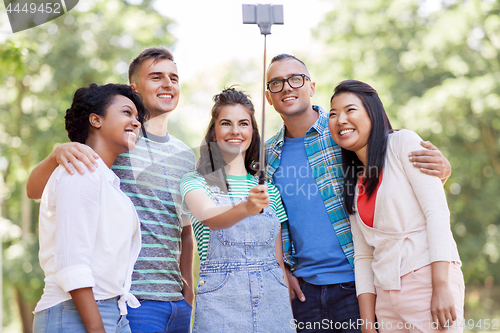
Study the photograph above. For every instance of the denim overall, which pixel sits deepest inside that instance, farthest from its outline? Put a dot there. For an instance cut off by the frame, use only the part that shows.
(241, 287)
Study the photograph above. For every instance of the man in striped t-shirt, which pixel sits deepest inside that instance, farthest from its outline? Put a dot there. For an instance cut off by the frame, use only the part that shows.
(150, 175)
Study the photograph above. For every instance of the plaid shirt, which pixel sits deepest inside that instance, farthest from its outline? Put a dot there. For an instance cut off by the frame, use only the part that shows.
(325, 159)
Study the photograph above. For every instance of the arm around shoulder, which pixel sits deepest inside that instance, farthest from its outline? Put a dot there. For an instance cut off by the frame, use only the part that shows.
(430, 161)
(64, 154)
(431, 199)
(39, 177)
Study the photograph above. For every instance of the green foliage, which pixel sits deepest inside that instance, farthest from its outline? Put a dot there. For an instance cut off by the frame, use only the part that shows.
(437, 71)
(435, 64)
(40, 69)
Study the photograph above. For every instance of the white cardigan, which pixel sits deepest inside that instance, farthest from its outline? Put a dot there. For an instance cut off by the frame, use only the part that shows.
(411, 226)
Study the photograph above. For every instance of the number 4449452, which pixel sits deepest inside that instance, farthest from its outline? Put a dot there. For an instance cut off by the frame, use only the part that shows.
(46, 7)
(482, 324)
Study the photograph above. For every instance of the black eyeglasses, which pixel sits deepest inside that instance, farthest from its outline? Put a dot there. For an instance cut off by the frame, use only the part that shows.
(295, 81)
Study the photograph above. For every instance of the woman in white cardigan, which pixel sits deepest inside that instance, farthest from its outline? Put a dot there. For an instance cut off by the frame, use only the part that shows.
(407, 266)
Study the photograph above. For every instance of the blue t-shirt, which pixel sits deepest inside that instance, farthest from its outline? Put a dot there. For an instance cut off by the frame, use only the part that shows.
(321, 260)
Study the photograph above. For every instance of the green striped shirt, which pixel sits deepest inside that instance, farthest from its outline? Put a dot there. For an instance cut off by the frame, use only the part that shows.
(150, 175)
(239, 186)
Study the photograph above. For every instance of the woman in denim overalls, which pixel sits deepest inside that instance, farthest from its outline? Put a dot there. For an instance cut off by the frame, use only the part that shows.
(241, 286)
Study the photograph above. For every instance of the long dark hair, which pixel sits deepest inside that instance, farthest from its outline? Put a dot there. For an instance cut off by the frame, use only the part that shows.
(377, 142)
(211, 163)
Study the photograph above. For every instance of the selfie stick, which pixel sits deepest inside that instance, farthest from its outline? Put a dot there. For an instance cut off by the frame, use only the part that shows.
(264, 16)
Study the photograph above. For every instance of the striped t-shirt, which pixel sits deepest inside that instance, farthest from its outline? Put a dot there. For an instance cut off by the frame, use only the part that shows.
(150, 175)
(239, 186)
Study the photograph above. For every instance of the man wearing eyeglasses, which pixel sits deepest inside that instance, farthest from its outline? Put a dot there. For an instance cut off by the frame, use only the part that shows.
(305, 164)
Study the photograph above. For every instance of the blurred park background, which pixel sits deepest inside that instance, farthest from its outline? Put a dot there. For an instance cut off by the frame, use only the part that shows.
(435, 63)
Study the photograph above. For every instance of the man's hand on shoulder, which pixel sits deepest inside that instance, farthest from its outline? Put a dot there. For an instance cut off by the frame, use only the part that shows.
(71, 152)
(64, 154)
(431, 161)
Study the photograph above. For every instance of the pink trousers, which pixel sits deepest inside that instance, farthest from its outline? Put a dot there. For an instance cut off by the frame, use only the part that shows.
(409, 309)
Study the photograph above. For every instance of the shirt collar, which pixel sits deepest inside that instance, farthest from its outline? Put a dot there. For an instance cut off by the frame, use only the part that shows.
(108, 174)
(322, 122)
(156, 138)
(319, 125)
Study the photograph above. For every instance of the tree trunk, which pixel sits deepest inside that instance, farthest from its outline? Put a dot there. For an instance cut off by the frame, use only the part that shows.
(25, 312)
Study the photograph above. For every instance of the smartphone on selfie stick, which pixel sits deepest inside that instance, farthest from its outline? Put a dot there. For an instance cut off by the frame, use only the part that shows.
(264, 16)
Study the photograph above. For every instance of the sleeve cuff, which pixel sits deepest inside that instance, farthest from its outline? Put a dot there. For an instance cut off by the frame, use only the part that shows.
(75, 277)
(364, 277)
(186, 220)
(366, 290)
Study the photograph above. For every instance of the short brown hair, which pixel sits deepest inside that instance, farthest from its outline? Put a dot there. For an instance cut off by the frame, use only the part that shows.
(285, 56)
(156, 52)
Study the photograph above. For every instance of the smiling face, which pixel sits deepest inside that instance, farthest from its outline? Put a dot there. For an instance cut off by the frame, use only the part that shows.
(290, 101)
(119, 126)
(158, 84)
(350, 124)
(233, 130)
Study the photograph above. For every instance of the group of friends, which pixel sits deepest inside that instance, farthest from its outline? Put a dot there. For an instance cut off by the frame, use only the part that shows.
(350, 233)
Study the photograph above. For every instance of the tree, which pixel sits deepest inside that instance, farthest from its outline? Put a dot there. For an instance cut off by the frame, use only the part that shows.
(40, 69)
(436, 67)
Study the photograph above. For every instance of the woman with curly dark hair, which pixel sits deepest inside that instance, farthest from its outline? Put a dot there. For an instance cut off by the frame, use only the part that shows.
(241, 286)
(89, 230)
